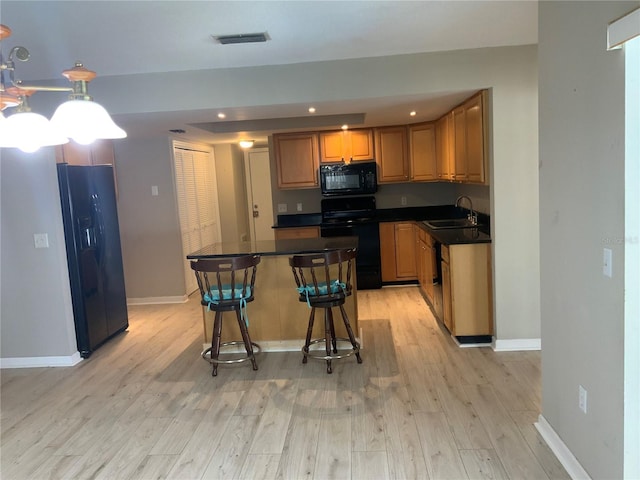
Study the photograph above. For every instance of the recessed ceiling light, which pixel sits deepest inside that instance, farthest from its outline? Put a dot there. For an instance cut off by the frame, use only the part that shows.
(412, 113)
(312, 109)
(345, 127)
(222, 115)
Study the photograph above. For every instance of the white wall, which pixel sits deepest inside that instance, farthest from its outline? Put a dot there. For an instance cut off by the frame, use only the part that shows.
(509, 72)
(581, 212)
(36, 316)
(149, 225)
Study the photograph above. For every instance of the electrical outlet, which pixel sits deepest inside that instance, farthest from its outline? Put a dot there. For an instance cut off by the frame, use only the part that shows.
(282, 208)
(582, 399)
(607, 260)
(403, 200)
(299, 207)
(41, 240)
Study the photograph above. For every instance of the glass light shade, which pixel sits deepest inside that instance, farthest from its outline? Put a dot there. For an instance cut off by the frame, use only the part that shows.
(29, 131)
(85, 121)
(246, 143)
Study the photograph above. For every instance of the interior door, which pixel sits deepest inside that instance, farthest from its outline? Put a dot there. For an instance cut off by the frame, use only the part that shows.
(258, 177)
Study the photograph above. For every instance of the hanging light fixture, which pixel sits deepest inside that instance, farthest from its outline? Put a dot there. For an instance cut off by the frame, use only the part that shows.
(27, 130)
(80, 118)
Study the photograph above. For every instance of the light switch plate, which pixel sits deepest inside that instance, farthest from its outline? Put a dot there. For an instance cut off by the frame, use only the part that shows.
(607, 260)
(41, 240)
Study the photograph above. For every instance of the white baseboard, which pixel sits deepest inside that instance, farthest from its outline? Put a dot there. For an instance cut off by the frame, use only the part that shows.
(34, 362)
(561, 451)
(517, 344)
(157, 300)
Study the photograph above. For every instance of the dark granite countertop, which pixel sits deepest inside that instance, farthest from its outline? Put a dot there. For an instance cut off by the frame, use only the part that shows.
(457, 236)
(275, 247)
(448, 236)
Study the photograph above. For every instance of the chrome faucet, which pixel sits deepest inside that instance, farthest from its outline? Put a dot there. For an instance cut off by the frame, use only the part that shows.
(472, 216)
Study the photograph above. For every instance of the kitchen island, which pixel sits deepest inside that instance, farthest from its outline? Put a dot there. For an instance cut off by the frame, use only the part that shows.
(277, 320)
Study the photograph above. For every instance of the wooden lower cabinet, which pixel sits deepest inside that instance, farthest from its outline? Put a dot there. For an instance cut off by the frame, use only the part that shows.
(296, 233)
(466, 289)
(398, 252)
(426, 263)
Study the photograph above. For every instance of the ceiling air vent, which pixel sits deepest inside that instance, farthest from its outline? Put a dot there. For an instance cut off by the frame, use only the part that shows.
(241, 38)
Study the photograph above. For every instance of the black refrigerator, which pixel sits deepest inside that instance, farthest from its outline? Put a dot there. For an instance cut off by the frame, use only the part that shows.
(94, 256)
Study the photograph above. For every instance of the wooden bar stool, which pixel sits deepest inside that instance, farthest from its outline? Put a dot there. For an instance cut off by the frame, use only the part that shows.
(227, 284)
(324, 281)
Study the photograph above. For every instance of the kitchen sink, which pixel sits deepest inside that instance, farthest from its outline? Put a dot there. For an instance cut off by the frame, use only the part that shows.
(451, 223)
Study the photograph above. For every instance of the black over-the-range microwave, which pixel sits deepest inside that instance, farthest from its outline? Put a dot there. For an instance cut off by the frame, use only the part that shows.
(356, 178)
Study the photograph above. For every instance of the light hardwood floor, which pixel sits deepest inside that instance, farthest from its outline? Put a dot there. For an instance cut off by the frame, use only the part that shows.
(145, 406)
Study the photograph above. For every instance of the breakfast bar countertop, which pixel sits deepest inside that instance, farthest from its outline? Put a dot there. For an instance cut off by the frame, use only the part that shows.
(274, 247)
(278, 318)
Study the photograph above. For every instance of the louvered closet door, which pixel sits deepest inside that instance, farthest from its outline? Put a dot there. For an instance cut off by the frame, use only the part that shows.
(207, 198)
(197, 199)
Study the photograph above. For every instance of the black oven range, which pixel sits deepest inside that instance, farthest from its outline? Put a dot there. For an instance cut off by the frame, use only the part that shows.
(356, 216)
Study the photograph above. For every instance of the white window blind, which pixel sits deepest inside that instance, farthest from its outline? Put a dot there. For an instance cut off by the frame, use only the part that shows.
(197, 198)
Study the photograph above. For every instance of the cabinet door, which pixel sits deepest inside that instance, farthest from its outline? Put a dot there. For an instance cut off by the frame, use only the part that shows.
(361, 143)
(405, 251)
(102, 152)
(387, 251)
(460, 144)
(426, 267)
(392, 154)
(296, 232)
(74, 154)
(422, 152)
(332, 146)
(447, 311)
(444, 147)
(99, 152)
(470, 291)
(474, 137)
(296, 160)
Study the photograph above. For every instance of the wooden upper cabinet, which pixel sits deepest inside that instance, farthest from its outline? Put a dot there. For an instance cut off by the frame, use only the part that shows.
(392, 154)
(475, 139)
(444, 147)
(296, 160)
(470, 140)
(361, 144)
(422, 152)
(459, 144)
(346, 146)
(99, 152)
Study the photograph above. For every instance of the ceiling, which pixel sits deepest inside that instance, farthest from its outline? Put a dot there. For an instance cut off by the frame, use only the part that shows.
(131, 37)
